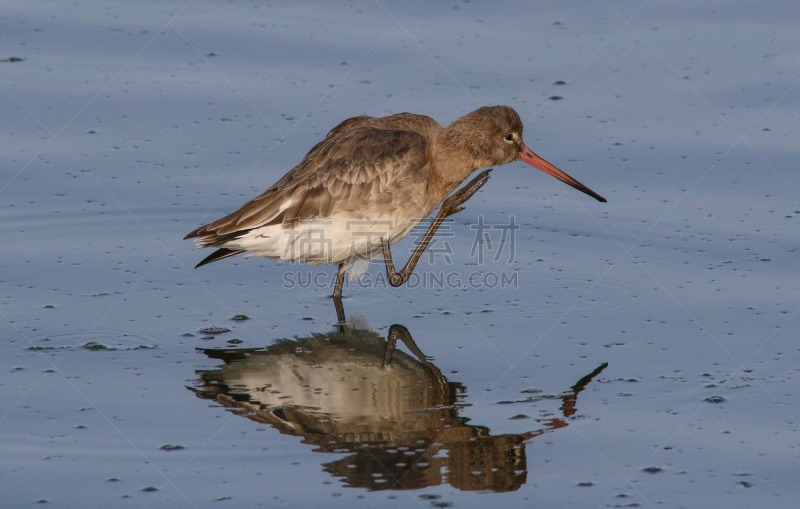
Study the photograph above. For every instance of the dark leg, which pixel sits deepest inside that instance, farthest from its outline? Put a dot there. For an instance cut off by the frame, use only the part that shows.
(399, 332)
(337, 290)
(337, 303)
(449, 207)
(337, 295)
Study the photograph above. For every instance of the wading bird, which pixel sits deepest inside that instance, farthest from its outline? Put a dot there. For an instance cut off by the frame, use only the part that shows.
(367, 184)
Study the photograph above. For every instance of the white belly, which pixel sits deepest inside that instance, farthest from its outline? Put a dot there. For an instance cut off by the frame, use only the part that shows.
(324, 241)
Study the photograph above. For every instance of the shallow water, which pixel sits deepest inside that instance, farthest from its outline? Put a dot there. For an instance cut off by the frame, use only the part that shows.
(126, 125)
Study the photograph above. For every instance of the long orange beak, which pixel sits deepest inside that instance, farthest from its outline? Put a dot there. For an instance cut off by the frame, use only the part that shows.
(527, 155)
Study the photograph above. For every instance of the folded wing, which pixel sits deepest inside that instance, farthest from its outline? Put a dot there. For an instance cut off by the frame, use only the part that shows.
(357, 161)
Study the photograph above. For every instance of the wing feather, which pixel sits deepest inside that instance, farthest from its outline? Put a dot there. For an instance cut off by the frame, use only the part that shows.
(356, 159)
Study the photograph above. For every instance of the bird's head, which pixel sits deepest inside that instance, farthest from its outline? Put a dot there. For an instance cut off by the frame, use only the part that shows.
(492, 135)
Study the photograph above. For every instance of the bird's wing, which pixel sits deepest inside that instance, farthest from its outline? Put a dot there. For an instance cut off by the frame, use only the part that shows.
(353, 164)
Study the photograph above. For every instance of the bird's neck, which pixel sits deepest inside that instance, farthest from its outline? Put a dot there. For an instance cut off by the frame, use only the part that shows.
(455, 160)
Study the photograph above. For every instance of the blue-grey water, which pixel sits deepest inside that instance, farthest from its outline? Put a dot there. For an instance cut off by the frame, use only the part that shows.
(127, 124)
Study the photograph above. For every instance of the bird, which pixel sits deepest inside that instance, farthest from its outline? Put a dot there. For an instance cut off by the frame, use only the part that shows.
(367, 184)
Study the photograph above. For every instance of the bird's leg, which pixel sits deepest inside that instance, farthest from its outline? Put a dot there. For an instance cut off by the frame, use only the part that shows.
(399, 332)
(450, 206)
(337, 303)
(391, 342)
(337, 296)
(337, 290)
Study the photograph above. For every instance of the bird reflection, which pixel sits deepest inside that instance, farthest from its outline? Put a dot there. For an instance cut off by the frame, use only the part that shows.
(395, 415)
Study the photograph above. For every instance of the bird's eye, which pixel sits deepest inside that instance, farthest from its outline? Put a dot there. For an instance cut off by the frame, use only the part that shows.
(509, 137)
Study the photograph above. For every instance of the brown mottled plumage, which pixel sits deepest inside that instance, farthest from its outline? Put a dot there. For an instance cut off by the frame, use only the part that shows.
(367, 184)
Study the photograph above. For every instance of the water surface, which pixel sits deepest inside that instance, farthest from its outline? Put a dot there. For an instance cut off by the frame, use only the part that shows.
(644, 355)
